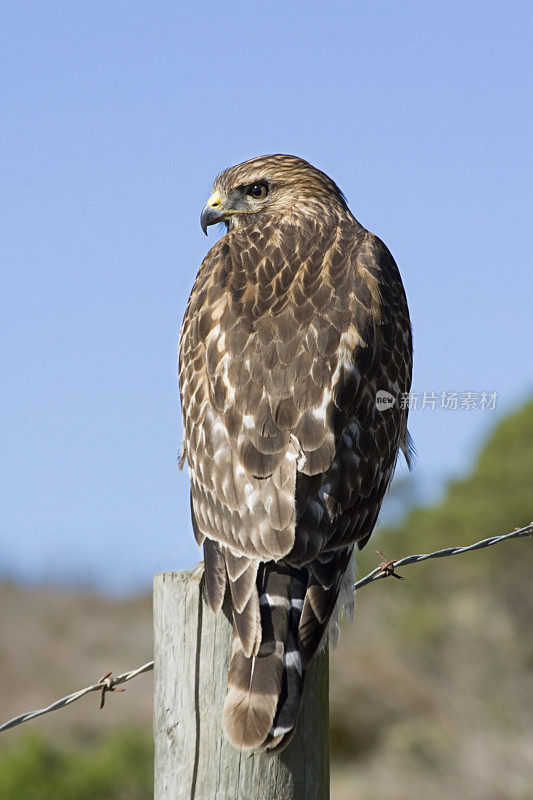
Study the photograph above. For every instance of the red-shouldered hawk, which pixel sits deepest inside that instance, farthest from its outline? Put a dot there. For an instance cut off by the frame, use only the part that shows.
(296, 321)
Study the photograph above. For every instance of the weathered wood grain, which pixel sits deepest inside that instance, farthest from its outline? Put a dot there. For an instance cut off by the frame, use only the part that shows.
(193, 760)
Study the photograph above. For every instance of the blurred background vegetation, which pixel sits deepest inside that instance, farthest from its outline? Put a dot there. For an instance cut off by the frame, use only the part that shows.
(430, 685)
(118, 767)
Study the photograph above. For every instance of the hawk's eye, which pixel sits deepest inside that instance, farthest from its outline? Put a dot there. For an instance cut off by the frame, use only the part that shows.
(257, 190)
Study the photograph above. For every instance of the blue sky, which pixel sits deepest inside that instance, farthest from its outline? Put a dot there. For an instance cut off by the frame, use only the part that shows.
(116, 119)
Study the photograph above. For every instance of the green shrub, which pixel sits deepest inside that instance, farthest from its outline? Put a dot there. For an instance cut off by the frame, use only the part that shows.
(118, 768)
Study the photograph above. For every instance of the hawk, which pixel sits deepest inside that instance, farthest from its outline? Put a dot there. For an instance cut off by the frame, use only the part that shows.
(296, 323)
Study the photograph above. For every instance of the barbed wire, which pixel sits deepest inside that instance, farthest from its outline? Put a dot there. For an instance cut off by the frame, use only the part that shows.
(105, 684)
(386, 568)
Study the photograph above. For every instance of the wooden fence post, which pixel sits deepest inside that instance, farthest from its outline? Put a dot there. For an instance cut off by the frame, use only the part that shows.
(193, 760)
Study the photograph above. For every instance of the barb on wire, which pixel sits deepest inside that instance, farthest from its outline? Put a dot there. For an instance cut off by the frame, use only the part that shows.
(105, 684)
(385, 569)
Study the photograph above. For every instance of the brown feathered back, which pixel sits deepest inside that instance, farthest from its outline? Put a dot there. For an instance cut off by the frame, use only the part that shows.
(296, 321)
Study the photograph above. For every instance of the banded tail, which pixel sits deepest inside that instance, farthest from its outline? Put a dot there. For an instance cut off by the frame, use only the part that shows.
(280, 615)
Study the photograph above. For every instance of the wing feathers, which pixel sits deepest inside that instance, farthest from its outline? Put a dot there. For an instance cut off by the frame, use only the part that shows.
(322, 592)
(243, 585)
(215, 574)
(248, 625)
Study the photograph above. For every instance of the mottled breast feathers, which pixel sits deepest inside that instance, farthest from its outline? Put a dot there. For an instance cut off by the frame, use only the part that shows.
(290, 331)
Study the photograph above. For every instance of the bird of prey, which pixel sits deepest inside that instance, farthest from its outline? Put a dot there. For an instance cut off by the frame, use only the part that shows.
(297, 323)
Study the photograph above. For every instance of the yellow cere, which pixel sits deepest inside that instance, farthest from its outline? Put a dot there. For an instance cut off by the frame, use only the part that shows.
(215, 200)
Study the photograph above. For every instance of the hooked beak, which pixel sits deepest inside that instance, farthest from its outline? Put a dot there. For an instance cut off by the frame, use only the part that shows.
(213, 212)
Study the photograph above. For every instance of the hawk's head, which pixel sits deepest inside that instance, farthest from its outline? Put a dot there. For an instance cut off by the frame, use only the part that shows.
(276, 184)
